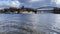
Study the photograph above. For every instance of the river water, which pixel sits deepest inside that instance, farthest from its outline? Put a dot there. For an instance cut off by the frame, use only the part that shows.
(29, 23)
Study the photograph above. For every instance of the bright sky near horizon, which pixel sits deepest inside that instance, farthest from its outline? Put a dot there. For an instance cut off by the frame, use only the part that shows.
(29, 3)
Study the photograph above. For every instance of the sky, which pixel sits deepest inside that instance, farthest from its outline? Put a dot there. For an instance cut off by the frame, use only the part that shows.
(29, 3)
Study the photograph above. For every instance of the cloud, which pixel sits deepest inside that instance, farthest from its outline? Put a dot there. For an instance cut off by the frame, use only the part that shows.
(33, 1)
(9, 3)
(56, 2)
(40, 3)
(15, 3)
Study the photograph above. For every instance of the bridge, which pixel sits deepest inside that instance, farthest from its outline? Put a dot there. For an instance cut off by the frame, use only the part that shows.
(48, 9)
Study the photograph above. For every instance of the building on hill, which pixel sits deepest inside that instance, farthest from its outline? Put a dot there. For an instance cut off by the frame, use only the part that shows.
(22, 10)
(56, 10)
(27, 10)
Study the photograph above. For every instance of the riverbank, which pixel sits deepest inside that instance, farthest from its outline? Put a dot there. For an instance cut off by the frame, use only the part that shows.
(25, 10)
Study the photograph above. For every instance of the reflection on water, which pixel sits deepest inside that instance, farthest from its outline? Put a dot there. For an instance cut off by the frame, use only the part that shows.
(29, 24)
